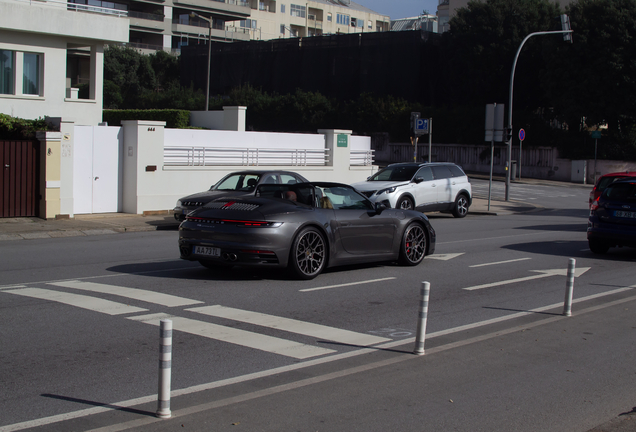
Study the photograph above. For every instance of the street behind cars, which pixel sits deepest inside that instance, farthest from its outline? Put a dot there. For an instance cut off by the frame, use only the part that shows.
(423, 186)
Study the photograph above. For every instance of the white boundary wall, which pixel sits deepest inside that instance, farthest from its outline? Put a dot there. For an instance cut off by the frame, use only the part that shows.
(145, 184)
(219, 138)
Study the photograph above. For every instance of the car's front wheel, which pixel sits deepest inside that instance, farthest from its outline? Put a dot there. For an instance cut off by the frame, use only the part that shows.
(405, 203)
(598, 247)
(460, 208)
(308, 254)
(413, 246)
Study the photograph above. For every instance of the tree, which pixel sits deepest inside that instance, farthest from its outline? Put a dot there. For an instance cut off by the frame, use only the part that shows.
(481, 45)
(593, 81)
(137, 81)
(130, 72)
(599, 72)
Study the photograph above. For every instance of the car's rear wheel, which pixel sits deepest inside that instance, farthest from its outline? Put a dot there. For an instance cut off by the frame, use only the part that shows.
(308, 255)
(413, 246)
(405, 203)
(460, 208)
(598, 247)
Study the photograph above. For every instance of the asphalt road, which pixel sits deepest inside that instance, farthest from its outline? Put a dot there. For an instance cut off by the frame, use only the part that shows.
(255, 350)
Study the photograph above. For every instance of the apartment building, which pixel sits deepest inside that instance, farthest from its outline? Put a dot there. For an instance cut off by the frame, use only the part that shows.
(276, 19)
(171, 24)
(52, 59)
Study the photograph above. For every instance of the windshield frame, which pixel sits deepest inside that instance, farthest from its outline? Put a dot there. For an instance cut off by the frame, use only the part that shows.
(241, 183)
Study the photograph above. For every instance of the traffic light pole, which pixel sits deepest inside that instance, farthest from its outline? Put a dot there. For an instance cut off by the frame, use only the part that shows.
(512, 79)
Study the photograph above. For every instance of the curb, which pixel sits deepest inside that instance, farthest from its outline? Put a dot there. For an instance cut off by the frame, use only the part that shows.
(77, 233)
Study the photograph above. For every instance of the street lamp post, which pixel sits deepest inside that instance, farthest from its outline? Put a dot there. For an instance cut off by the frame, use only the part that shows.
(207, 86)
(512, 79)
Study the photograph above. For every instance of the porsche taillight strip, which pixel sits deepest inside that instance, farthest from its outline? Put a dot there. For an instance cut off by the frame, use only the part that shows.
(259, 252)
(235, 222)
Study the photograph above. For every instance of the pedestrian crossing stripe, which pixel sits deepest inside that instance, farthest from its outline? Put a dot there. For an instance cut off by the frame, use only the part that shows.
(132, 293)
(236, 336)
(77, 300)
(201, 328)
(290, 325)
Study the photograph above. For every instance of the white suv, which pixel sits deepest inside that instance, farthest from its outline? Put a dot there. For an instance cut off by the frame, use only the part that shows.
(422, 186)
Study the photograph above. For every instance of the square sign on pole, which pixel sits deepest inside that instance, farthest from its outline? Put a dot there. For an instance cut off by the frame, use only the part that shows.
(421, 126)
(494, 122)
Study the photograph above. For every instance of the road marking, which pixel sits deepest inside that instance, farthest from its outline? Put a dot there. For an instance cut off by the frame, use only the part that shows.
(133, 293)
(290, 325)
(444, 257)
(81, 301)
(8, 287)
(347, 284)
(534, 234)
(543, 273)
(236, 336)
(187, 265)
(499, 262)
(289, 368)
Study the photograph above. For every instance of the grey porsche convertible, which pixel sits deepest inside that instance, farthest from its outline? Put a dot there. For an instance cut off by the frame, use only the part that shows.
(305, 227)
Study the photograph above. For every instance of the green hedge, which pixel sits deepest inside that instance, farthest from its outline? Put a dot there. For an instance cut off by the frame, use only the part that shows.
(12, 128)
(175, 119)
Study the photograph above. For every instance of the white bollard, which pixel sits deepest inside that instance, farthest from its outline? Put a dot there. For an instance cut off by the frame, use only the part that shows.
(420, 336)
(165, 370)
(569, 289)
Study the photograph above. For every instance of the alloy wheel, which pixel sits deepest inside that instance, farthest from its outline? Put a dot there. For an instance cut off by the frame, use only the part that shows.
(414, 243)
(310, 253)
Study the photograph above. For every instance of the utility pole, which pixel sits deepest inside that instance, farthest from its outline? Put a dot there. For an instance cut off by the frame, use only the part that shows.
(567, 36)
(207, 87)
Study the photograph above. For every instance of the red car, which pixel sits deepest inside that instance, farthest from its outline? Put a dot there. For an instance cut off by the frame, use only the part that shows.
(607, 179)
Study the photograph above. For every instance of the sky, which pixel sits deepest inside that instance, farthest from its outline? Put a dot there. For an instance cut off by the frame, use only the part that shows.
(400, 8)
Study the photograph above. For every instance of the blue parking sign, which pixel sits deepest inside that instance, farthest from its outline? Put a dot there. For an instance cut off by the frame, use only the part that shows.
(421, 126)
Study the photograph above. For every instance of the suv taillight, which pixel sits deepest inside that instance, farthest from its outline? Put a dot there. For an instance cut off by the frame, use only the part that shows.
(594, 206)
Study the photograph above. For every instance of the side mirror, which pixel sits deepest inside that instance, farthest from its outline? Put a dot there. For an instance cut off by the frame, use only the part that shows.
(418, 179)
(380, 207)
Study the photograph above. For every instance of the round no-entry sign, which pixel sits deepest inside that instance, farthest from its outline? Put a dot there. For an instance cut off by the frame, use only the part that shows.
(522, 134)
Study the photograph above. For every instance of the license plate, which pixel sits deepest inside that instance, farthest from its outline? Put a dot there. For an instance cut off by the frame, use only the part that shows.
(207, 251)
(625, 214)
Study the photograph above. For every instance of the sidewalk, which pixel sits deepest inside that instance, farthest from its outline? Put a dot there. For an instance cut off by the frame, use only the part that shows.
(28, 228)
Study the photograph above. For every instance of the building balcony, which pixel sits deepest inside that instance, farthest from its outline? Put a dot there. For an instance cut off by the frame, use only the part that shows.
(145, 21)
(52, 17)
(194, 29)
(232, 8)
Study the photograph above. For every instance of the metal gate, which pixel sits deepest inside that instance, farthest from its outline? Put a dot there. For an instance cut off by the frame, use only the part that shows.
(19, 183)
